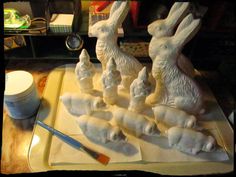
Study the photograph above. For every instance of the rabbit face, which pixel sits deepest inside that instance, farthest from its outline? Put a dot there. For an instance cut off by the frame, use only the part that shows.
(101, 30)
(117, 135)
(165, 27)
(108, 28)
(210, 144)
(170, 47)
(159, 29)
(191, 123)
(66, 100)
(151, 129)
(165, 48)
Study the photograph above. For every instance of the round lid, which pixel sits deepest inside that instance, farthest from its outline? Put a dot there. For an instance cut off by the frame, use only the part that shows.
(74, 42)
(18, 83)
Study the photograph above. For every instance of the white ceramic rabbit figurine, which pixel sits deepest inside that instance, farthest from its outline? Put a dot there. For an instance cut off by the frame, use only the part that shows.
(110, 80)
(99, 130)
(84, 72)
(174, 88)
(139, 90)
(190, 141)
(165, 27)
(174, 117)
(79, 104)
(136, 123)
(106, 47)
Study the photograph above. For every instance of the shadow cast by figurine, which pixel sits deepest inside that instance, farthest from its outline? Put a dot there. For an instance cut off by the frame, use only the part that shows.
(105, 115)
(96, 93)
(123, 147)
(24, 124)
(209, 114)
(161, 141)
(148, 111)
(122, 102)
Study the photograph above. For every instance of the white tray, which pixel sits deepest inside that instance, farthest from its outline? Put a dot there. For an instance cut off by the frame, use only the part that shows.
(41, 141)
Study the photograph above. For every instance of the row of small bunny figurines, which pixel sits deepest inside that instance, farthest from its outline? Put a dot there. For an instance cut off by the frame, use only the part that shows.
(176, 95)
(102, 123)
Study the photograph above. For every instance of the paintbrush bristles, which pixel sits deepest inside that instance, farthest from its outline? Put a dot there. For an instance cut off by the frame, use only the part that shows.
(103, 159)
(96, 155)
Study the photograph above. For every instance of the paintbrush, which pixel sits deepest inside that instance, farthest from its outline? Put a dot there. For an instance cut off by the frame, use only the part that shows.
(76, 144)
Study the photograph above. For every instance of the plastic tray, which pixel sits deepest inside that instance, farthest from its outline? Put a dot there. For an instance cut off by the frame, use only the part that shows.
(41, 141)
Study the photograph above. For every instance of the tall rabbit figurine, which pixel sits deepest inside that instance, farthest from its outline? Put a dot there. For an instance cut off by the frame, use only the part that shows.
(165, 27)
(175, 88)
(106, 47)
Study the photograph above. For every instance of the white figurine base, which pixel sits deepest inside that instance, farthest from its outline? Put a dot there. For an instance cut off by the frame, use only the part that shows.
(86, 85)
(110, 95)
(137, 104)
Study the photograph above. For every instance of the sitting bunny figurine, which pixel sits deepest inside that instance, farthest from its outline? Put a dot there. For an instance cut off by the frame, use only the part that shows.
(164, 28)
(84, 72)
(175, 88)
(110, 80)
(106, 47)
(139, 90)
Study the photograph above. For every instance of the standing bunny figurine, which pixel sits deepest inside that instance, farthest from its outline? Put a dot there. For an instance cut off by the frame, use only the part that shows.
(110, 80)
(164, 28)
(139, 90)
(84, 72)
(174, 88)
(106, 47)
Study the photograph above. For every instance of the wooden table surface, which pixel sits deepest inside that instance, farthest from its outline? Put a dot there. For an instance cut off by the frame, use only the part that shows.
(16, 134)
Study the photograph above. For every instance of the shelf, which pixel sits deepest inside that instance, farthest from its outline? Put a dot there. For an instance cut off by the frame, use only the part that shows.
(83, 30)
(24, 52)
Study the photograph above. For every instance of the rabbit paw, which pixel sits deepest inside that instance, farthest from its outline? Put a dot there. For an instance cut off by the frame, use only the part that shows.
(152, 99)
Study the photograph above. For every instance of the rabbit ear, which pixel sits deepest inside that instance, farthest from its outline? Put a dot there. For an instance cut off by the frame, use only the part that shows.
(184, 23)
(174, 8)
(114, 7)
(118, 12)
(177, 12)
(186, 34)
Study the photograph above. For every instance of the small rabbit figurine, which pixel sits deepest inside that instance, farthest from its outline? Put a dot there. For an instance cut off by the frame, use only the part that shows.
(190, 141)
(99, 130)
(165, 28)
(106, 47)
(174, 88)
(79, 104)
(84, 72)
(110, 80)
(135, 123)
(174, 117)
(139, 90)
